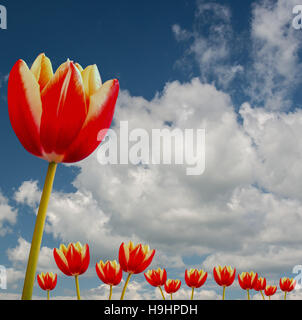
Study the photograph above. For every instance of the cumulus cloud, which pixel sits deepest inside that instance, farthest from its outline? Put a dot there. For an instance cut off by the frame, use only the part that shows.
(275, 136)
(19, 255)
(8, 216)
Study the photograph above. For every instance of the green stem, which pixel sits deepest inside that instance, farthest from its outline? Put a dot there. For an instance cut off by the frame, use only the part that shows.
(38, 233)
(47, 294)
(171, 296)
(248, 294)
(125, 286)
(262, 295)
(162, 294)
(77, 286)
(223, 293)
(269, 298)
(192, 295)
(285, 295)
(110, 293)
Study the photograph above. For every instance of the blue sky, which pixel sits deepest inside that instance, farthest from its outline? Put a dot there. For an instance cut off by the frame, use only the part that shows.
(235, 66)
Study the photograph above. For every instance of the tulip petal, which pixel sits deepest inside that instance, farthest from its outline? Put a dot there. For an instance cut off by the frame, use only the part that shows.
(61, 262)
(100, 273)
(92, 80)
(42, 70)
(73, 257)
(64, 109)
(41, 282)
(85, 259)
(123, 257)
(25, 107)
(98, 121)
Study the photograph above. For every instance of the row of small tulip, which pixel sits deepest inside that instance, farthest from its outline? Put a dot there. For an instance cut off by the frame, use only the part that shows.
(74, 259)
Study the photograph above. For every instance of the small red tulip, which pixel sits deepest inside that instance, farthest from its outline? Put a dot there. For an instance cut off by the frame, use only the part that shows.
(270, 290)
(47, 281)
(195, 278)
(260, 284)
(156, 278)
(172, 286)
(61, 116)
(135, 259)
(287, 285)
(224, 276)
(73, 260)
(110, 272)
(247, 280)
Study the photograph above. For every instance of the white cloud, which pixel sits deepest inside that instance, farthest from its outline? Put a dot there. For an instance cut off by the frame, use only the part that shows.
(275, 72)
(276, 137)
(8, 216)
(211, 44)
(28, 193)
(19, 256)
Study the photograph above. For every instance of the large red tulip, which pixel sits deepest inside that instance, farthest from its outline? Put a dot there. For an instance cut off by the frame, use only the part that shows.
(58, 116)
(47, 281)
(72, 260)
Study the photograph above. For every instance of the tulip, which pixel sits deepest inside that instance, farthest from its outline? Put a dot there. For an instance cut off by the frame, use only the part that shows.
(171, 286)
(73, 260)
(260, 285)
(287, 285)
(134, 259)
(247, 281)
(110, 273)
(224, 276)
(47, 281)
(58, 117)
(270, 290)
(195, 279)
(157, 278)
